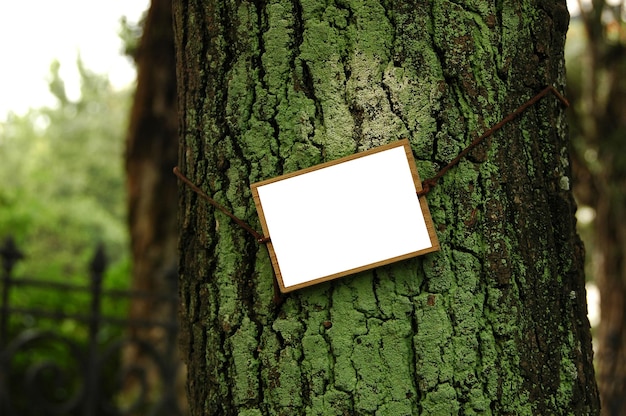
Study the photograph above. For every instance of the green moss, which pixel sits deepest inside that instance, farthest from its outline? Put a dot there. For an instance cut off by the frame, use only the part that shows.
(441, 401)
(289, 326)
(381, 358)
(244, 369)
(568, 373)
(287, 390)
(489, 362)
(400, 408)
(363, 295)
(477, 404)
(372, 386)
(407, 278)
(258, 147)
(439, 275)
(277, 41)
(322, 51)
(347, 324)
(568, 376)
(452, 36)
(332, 402)
(229, 312)
(264, 284)
(433, 357)
(250, 412)
(421, 72)
(468, 270)
(216, 362)
(316, 303)
(373, 31)
(372, 78)
(281, 372)
(316, 363)
(392, 303)
(296, 119)
(396, 354)
(416, 108)
(236, 193)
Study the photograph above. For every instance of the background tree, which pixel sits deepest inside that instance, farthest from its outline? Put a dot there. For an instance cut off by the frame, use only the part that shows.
(598, 89)
(151, 152)
(493, 323)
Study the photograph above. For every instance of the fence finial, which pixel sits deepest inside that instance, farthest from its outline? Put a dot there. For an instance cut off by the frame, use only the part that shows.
(10, 254)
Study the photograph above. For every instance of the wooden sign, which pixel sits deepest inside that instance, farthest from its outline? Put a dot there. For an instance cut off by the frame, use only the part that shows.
(345, 216)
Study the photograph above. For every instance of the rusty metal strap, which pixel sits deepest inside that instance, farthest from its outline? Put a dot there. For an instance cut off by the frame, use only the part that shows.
(430, 183)
(257, 236)
(427, 185)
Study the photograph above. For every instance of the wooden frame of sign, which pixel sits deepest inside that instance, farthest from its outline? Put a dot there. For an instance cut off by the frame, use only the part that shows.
(345, 216)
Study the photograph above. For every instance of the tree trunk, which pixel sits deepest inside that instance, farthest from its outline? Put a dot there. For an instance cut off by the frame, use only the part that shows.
(610, 239)
(495, 322)
(600, 122)
(151, 152)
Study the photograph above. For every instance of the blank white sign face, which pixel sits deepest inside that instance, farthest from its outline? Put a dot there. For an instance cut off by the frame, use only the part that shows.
(344, 216)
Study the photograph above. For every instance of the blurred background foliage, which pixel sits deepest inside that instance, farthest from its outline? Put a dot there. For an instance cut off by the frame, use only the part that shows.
(596, 69)
(63, 192)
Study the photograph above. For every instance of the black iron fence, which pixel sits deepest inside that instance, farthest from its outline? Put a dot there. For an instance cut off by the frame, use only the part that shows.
(43, 372)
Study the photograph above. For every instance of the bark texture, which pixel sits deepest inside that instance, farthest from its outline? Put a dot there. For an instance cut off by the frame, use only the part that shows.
(494, 323)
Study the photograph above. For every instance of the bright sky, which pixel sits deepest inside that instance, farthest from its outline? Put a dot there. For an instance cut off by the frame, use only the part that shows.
(34, 32)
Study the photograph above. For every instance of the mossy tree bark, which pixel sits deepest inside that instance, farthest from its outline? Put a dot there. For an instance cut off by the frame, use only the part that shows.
(493, 323)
